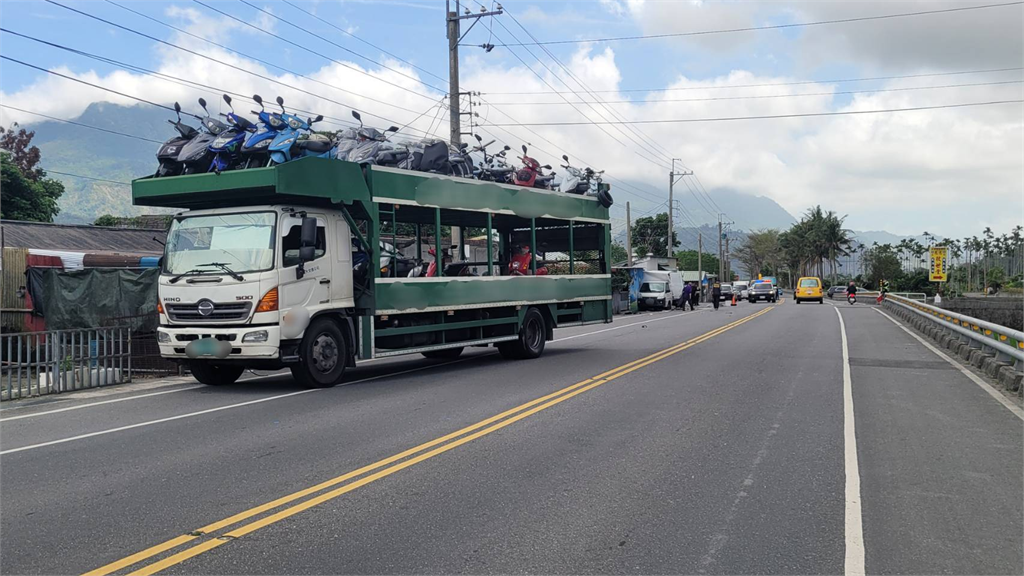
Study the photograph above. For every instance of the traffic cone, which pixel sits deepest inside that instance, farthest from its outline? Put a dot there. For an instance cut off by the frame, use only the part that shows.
(734, 299)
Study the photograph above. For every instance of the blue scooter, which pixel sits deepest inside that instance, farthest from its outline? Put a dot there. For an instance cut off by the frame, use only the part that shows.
(287, 146)
(255, 150)
(226, 146)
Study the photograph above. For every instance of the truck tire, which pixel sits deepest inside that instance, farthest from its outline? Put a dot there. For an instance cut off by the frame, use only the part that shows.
(323, 354)
(214, 374)
(531, 338)
(447, 353)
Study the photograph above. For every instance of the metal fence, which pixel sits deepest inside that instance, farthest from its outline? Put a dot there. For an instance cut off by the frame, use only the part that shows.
(1006, 344)
(37, 363)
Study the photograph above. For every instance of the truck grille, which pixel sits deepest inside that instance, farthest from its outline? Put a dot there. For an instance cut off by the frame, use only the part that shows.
(222, 312)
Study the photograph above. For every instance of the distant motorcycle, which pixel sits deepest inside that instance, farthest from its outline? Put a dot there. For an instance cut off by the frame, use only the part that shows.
(851, 298)
(530, 175)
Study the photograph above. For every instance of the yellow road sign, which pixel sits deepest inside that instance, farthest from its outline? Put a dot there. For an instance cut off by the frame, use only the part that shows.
(939, 257)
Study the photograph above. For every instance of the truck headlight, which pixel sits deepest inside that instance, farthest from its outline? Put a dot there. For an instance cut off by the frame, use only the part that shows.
(163, 337)
(257, 336)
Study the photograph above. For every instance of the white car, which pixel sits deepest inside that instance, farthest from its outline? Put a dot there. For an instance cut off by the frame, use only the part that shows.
(740, 288)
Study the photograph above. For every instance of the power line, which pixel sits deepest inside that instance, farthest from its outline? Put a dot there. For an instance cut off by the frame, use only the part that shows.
(368, 43)
(82, 125)
(777, 116)
(769, 96)
(184, 82)
(774, 26)
(795, 83)
(652, 146)
(261, 76)
(48, 171)
(311, 51)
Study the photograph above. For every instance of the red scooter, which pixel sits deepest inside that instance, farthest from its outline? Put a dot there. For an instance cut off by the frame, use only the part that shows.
(530, 174)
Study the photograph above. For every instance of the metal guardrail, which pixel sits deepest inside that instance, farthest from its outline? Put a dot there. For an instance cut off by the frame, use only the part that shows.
(37, 363)
(1005, 343)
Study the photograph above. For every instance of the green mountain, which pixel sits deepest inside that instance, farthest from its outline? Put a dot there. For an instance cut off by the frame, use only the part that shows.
(87, 152)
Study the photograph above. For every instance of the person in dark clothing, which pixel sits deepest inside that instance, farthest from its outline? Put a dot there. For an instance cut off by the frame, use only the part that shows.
(687, 296)
(695, 296)
(716, 293)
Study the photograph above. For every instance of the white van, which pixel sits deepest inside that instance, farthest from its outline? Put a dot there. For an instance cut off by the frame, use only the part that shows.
(655, 280)
(740, 288)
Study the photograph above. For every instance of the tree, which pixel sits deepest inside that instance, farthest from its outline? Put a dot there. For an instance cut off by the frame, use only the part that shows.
(687, 260)
(107, 220)
(23, 198)
(18, 143)
(649, 235)
(761, 252)
(883, 263)
(618, 253)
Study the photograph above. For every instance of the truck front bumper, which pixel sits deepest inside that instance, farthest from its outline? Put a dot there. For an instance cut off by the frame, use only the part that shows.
(173, 340)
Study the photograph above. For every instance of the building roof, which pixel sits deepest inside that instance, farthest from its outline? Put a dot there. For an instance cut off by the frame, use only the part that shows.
(81, 237)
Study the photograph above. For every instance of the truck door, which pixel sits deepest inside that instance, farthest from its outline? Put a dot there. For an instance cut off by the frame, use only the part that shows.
(313, 290)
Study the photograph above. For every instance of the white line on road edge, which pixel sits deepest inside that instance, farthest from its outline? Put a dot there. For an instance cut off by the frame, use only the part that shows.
(854, 564)
(91, 404)
(229, 406)
(973, 377)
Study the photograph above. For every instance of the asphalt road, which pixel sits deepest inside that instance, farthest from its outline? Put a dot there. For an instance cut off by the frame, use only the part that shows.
(697, 442)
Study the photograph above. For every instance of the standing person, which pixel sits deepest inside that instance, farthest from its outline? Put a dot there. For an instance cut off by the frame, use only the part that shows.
(687, 296)
(695, 296)
(716, 293)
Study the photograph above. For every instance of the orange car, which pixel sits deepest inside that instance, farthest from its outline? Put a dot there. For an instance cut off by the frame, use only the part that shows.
(808, 288)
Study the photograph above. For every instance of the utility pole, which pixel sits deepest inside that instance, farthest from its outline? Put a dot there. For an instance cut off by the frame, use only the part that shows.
(720, 262)
(455, 36)
(629, 239)
(671, 183)
(700, 267)
(728, 258)
(453, 20)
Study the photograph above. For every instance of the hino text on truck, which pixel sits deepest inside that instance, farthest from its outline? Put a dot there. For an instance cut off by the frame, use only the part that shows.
(283, 267)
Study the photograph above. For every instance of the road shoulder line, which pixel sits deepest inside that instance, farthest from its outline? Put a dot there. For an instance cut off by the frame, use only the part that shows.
(1016, 410)
(854, 561)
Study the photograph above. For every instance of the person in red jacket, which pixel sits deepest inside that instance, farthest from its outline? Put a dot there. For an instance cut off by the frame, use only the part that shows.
(520, 263)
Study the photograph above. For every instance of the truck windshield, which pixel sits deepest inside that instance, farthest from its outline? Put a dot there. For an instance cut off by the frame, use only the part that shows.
(653, 287)
(245, 242)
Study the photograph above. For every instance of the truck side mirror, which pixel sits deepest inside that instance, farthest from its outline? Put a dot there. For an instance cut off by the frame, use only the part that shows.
(307, 236)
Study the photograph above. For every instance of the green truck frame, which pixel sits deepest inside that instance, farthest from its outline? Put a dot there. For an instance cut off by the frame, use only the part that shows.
(439, 316)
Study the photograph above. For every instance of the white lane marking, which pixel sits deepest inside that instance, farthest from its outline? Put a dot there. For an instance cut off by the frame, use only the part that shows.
(228, 407)
(261, 376)
(854, 563)
(91, 404)
(618, 327)
(973, 377)
(279, 396)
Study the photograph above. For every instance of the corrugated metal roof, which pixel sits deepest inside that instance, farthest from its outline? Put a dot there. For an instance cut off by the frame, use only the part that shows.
(81, 238)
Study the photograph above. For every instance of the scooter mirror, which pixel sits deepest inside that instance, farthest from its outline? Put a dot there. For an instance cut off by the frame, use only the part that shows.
(177, 108)
(524, 148)
(478, 138)
(258, 100)
(318, 118)
(392, 129)
(357, 116)
(546, 166)
(507, 147)
(566, 158)
(202, 102)
(280, 102)
(227, 99)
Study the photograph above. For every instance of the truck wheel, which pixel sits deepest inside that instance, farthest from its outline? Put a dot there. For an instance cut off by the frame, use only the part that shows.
(531, 338)
(447, 353)
(214, 374)
(323, 354)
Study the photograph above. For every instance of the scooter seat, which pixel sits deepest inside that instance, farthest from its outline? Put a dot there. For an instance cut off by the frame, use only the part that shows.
(316, 146)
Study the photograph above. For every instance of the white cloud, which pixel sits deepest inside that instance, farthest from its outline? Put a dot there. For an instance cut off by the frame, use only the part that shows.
(948, 171)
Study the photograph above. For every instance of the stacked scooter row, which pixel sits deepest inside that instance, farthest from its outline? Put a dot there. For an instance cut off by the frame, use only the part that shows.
(278, 137)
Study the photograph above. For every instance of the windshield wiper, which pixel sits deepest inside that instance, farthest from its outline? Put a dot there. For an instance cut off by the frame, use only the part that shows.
(223, 266)
(198, 270)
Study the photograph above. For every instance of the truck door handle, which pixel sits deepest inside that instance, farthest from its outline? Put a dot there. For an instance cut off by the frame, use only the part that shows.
(325, 280)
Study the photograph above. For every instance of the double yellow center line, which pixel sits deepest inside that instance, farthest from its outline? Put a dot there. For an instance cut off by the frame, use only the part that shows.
(383, 468)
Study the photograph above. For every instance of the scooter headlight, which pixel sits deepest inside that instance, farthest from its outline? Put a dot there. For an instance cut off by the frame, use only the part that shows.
(196, 155)
(262, 144)
(221, 141)
(288, 141)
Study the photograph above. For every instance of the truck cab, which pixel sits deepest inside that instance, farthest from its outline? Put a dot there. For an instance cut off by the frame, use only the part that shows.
(244, 283)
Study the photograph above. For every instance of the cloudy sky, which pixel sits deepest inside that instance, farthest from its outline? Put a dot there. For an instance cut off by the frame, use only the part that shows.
(949, 171)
